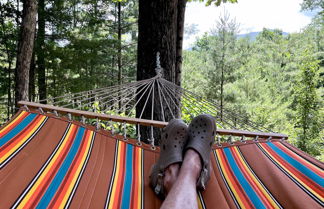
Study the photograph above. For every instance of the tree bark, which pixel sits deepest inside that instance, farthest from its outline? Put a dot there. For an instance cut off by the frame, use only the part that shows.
(25, 50)
(180, 31)
(40, 43)
(32, 78)
(160, 27)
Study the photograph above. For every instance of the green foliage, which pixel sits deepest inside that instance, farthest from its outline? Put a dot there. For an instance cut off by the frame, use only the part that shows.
(215, 2)
(81, 46)
(8, 48)
(116, 128)
(307, 117)
(265, 81)
(312, 4)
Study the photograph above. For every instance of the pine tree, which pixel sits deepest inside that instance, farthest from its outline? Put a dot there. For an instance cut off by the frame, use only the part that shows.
(307, 124)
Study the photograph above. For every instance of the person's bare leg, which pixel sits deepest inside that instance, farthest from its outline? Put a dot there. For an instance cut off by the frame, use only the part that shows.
(183, 193)
(171, 175)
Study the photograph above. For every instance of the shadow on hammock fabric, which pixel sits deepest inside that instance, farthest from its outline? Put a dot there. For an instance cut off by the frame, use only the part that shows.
(50, 162)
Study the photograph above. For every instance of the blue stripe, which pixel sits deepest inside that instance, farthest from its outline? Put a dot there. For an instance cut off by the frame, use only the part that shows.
(17, 129)
(303, 169)
(243, 182)
(128, 177)
(51, 190)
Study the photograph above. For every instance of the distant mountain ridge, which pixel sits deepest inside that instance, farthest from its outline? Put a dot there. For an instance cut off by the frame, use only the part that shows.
(253, 35)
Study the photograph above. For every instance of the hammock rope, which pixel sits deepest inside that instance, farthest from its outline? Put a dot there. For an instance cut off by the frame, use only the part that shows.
(157, 92)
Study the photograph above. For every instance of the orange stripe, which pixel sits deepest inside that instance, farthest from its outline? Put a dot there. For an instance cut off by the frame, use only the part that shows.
(134, 203)
(250, 179)
(132, 200)
(13, 123)
(316, 188)
(13, 142)
(299, 159)
(47, 179)
(120, 177)
(120, 182)
(61, 192)
(235, 183)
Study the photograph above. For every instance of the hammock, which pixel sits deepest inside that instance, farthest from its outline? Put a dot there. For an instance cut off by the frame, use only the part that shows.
(53, 162)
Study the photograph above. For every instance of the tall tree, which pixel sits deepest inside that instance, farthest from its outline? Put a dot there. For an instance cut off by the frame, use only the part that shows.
(8, 49)
(40, 52)
(161, 27)
(223, 46)
(308, 103)
(25, 49)
(158, 24)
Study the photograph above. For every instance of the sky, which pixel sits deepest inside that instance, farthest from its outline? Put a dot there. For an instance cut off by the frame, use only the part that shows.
(252, 15)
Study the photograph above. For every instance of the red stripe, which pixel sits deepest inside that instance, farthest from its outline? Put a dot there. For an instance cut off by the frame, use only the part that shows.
(59, 195)
(298, 158)
(14, 124)
(134, 180)
(246, 201)
(250, 179)
(36, 196)
(299, 175)
(21, 134)
(17, 139)
(120, 180)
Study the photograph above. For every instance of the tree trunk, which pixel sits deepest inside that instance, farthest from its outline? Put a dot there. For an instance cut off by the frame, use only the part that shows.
(9, 104)
(32, 78)
(25, 50)
(180, 30)
(40, 43)
(160, 27)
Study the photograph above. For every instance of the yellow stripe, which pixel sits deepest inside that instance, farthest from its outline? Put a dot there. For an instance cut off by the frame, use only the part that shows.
(26, 137)
(228, 179)
(301, 159)
(13, 121)
(200, 205)
(139, 180)
(40, 179)
(260, 187)
(287, 170)
(113, 191)
(69, 190)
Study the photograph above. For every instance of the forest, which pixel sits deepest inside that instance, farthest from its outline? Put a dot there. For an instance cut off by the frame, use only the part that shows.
(275, 80)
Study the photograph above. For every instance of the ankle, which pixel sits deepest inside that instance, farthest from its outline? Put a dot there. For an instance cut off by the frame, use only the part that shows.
(192, 163)
(170, 176)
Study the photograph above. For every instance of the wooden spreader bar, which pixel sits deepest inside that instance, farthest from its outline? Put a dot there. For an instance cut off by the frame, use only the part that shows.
(144, 122)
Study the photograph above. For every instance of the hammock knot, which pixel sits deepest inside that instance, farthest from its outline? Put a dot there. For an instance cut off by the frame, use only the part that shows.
(158, 69)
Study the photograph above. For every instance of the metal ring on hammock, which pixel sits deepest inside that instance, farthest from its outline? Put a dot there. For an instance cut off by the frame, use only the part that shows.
(41, 110)
(97, 124)
(26, 107)
(243, 139)
(230, 140)
(69, 116)
(218, 141)
(125, 131)
(256, 139)
(139, 143)
(112, 128)
(83, 119)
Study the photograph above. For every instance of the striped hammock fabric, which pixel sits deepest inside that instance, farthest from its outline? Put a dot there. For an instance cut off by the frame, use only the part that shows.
(49, 162)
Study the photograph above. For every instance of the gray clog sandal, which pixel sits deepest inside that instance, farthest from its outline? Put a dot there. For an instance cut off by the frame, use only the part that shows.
(202, 130)
(173, 140)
